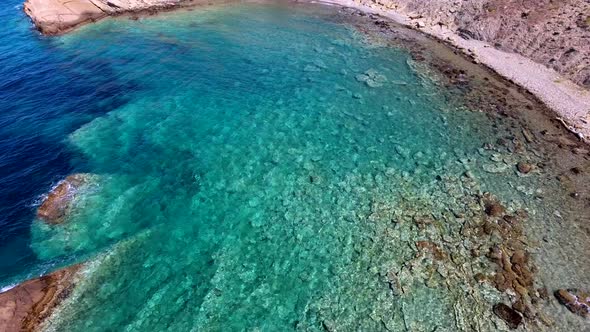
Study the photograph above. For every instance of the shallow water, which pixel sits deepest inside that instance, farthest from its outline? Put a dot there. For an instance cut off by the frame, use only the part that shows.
(270, 167)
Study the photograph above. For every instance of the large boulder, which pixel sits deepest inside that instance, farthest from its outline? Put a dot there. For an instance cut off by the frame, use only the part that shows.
(59, 201)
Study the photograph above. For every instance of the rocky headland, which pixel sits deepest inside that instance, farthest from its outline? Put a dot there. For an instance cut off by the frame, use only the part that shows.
(53, 17)
(25, 306)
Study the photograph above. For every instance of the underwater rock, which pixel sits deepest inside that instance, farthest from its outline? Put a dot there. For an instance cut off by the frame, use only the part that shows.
(508, 315)
(372, 78)
(524, 168)
(56, 206)
(23, 307)
(496, 168)
(577, 301)
(494, 209)
(431, 247)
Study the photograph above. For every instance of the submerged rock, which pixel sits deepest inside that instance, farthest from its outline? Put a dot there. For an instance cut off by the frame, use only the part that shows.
(508, 315)
(58, 203)
(524, 168)
(577, 301)
(494, 209)
(372, 78)
(23, 307)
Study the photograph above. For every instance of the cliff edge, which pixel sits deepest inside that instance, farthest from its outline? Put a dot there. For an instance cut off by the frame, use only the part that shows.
(53, 17)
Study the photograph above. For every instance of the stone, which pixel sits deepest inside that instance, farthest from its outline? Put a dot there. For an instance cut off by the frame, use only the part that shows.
(432, 248)
(577, 301)
(58, 203)
(23, 307)
(494, 209)
(508, 315)
(524, 167)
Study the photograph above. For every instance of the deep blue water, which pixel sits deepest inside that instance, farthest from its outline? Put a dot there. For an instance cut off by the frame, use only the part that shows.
(36, 115)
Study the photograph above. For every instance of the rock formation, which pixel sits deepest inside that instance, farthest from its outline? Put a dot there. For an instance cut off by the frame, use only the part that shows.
(57, 16)
(23, 307)
(59, 201)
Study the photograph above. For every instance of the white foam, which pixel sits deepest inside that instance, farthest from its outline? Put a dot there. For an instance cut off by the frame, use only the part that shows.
(7, 288)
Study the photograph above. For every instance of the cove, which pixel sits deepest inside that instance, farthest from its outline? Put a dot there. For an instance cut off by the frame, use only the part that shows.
(275, 167)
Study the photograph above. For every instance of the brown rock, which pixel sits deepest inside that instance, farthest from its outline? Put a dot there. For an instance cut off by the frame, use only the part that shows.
(53, 17)
(508, 315)
(494, 209)
(519, 257)
(24, 307)
(56, 206)
(524, 168)
(436, 252)
(577, 301)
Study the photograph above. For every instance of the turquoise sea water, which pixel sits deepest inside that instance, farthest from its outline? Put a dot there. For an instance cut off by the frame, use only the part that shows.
(263, 168)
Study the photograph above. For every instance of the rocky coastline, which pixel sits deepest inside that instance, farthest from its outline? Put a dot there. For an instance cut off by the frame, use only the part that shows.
(543, 47)
(26, 306)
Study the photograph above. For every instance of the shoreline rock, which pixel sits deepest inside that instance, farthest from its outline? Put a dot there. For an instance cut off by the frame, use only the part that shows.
(55, 17)
(58, 202)
(24, 307)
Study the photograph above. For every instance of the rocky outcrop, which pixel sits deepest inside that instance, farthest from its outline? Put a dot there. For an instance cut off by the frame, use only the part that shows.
(577, 301)
(58, 16)
(508, 315)
(25, 306)
(553, 33)
(58, 202)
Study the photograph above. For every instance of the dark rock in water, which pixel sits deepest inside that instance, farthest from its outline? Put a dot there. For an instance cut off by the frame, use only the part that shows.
(577, 301)
(509, 315)
(56, 206)
(24, 307)
(494, 209)
(524, 168)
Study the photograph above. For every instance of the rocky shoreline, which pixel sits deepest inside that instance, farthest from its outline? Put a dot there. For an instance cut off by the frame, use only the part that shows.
(487, 31)
(26, 306)
(562, 93)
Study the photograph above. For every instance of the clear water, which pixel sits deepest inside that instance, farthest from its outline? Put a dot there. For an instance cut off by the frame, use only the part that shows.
(249, 178)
